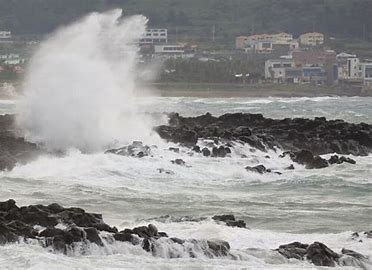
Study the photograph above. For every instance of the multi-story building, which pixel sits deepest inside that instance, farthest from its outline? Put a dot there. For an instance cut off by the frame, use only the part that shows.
(276, 69)
(354, 69)
(5, 37)
(312, 39)
(175, 50)
(154, 36)
(265, 43)
(367, 73)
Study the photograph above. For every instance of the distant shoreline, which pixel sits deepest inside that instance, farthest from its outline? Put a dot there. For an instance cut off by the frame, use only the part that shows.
(248, 90)
(219, 90)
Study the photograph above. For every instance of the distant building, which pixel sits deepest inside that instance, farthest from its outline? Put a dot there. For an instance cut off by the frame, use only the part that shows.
(342, 64)
(5, 37)
(175, 50)
(354, 69)
(312, 39)
(11, 59)
(367, 73)
(276, 69)
(265, 43)
(154, 36)
(314, 58)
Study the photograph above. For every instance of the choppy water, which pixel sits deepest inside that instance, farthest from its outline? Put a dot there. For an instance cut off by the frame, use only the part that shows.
(302, 205)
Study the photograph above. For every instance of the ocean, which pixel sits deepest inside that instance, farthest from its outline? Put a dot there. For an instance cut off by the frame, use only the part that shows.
(325, 205)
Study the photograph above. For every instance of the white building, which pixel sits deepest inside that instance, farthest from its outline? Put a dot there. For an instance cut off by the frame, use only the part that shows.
(354, 69)
(312, 39)
(367, 73)
(154, 36)
(265, 43)
(276, 69)
(11, 59)
(5, 37)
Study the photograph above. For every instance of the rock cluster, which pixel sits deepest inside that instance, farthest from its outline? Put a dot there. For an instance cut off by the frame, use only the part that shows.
(321, 255)
(14, 149)
(316, 135)
(136, 149)
(230, 221)
(61, 228)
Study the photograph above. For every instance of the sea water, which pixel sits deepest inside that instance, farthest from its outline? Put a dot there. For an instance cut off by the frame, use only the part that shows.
(325, 205)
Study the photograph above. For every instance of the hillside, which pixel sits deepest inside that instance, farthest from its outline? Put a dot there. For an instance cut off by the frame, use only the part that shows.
(195, 19)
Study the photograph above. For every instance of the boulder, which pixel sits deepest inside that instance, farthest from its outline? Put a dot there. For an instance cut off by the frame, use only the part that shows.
(261, 169)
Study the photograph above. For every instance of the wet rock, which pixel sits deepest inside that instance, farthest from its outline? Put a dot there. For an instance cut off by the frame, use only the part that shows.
(179, 161)
(170, 172)
(13, 149)
(218, 247)
(294, 250)
(290, 167)
(230, 221)
(368, 234)
(261, 169)
(318, 135)
(305, 157)
(7, 235)
(320, 255)
(82, 228)
(152, 230)
(353, 254)
(196, 149)
(174, 149)
(93, 236)
(223, 218)
(220, 151)
(8, 205)
(123, 237)
(339, 160)
(206, 152)
(136, 149)
(317, 253)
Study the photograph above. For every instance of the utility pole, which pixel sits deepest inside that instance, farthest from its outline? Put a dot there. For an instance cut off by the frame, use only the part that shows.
(214, 33)
(176, 34)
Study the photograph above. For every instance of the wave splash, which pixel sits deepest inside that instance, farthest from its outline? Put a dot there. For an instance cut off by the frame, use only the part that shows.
(79, 90)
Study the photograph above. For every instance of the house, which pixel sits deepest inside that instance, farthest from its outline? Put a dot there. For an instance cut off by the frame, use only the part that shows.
(11, 59)
(265, 43)
(5, 37)
(366, 72)
(175, 50)
(311, 39)
(276, 69)
(154, 36)
(342, 64)
(354, 69)
(314, 57)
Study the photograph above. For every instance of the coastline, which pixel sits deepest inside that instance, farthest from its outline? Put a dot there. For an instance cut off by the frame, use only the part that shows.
(247, 90)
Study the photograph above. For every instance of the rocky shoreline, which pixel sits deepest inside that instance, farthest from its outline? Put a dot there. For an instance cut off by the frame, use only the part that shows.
(63, 230)
(303, 140)
(14, 149)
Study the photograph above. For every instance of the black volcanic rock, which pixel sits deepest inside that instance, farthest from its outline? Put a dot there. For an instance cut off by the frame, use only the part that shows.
(79, 227)
(321, 255)
(13, 149)
(318, 135)
(261, 169)
(230, 221)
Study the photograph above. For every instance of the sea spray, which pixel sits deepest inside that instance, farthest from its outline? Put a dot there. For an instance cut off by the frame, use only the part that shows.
(79, 88)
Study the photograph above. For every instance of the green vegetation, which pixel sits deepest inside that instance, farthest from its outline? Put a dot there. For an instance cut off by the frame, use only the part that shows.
(194, 19)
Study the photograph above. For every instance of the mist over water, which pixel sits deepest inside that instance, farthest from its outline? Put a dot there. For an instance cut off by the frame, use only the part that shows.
(79, 89)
